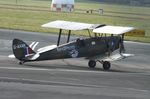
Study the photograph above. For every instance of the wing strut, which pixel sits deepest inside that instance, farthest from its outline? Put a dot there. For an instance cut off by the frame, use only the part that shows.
(122, 48)
(89, 33)
(68, 36)
(60, 31)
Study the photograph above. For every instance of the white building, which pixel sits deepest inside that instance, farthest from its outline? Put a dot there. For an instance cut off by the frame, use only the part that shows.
(62, 5)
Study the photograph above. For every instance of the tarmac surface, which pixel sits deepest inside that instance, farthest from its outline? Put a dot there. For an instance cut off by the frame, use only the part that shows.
(71, 78)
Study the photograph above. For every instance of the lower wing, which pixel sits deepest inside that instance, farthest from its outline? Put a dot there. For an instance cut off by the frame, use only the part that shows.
(117, 56)
(113, 57)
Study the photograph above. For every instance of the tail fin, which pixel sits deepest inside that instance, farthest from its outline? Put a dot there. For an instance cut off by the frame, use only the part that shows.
(21, 50)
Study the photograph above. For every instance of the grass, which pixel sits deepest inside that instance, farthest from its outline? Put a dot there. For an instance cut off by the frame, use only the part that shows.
(35, 13)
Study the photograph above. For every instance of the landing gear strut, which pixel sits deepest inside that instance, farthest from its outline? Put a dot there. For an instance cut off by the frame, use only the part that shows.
(92, 64)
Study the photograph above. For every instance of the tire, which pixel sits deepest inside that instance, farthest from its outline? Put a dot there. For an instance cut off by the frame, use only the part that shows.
(106, 65)
(92, 64)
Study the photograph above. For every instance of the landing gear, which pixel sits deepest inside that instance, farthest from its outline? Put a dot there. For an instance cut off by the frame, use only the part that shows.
(106, 65)
(92, 64)
(21, 62)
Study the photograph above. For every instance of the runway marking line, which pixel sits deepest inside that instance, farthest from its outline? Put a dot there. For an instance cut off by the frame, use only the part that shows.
(68, 70)
(43, 69)
(54, 83)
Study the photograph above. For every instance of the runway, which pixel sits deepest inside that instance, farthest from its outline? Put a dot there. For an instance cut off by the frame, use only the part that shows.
(71, 78)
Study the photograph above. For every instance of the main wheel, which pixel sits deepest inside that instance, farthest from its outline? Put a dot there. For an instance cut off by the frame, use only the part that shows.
(106, 65)
(92, 64)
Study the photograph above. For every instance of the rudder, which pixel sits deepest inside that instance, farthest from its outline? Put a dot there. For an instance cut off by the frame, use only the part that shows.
(21, 50)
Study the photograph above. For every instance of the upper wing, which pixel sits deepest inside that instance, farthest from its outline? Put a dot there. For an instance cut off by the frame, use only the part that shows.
(97, 28)
(113, 29)
(68, 25)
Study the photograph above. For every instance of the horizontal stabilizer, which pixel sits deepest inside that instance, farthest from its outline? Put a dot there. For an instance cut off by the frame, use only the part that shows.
(47, 48)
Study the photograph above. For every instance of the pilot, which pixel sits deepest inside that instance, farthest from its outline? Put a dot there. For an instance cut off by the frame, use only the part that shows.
(80, 42)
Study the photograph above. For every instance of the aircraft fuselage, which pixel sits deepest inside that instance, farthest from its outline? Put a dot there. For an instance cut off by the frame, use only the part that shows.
(88, 47)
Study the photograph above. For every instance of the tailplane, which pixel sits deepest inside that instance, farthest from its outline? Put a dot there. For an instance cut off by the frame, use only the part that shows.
(21, 50)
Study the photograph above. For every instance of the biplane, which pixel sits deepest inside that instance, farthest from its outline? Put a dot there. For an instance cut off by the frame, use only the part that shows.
(99, 46)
